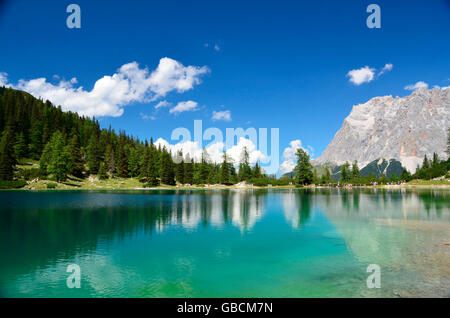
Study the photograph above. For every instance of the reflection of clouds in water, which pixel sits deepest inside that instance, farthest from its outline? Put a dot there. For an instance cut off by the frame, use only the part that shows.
(242, 208)
(296, 207)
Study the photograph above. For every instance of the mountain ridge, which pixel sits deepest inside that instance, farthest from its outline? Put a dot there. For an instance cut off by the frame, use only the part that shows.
(401, 128)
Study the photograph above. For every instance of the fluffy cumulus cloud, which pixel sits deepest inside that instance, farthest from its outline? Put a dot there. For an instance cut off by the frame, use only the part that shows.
(363, 75)
(187, 106)
(111, 93)
(221, 115)
(289, 155)
(367, 74)
(215, 150)
(419, 84)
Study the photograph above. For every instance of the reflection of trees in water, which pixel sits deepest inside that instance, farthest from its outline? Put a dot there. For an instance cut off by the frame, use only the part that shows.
(33, 238)
(385, 202)
(297, 206)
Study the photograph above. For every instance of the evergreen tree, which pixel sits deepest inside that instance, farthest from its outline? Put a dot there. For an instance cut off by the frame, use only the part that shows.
(203, 169)
(152, 170)
(256, 173)
(327, 174)
(110, 160)
(20, 146)
(35, 146)
(355, 170)
(7, 157)
(145, 161)
(76, 158)
(245, 172)
(345, 172)
(133, 162)
(93, 154)
(167, 173)
(55, 158)
(188, 171)
(426, 163)
(303, 168)
(405, 176)
(435, 160)
(225, 170)
(122, 157)
(102, 173)
(179, 169)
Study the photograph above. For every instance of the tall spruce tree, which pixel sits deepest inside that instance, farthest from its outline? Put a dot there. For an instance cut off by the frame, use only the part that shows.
(152, 169)
(225, 170)
(76, 158)
(303, 169)
(188, 171)
(179, 169)
(345, 172)
(20, 146)
(7, 157)
(55, 158)
(355, 170)
(245, 171)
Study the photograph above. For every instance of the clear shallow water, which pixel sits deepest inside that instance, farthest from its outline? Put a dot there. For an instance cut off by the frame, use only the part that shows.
(276, 243)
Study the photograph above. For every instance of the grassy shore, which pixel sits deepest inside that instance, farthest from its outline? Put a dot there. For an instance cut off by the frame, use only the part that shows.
(94, 183)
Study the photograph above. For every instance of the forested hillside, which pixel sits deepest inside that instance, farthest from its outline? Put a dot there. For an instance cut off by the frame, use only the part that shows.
(66, 144)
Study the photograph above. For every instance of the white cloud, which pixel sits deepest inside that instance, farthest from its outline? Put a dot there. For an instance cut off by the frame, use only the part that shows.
(413, 87)
(162, 104)
(111, 93)
(215, 150)
(289, 155)
(388, 67)
(186, 106)
(362, 75)
(144, 116)
(221, 115)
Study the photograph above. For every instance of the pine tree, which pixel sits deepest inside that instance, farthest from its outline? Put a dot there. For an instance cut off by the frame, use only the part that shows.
(327, 174)
(122, 157)
(20, 146)
(245, 171)
(102, 173)
(55, 159)
(435, 160)
(426, 163)
(256, 173)
(93, 154)
(7, 158)
(203, 169)
(188, 171)
(303, 169)
(355, 170)
(110, 160)
(133, 162)
(167, 173)
(152, 170)
(179, 168)
(345, 172)
(76, 158)
(225, 170)
(35, 146)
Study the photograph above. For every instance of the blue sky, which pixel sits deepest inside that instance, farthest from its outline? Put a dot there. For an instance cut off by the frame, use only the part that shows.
(277, 63)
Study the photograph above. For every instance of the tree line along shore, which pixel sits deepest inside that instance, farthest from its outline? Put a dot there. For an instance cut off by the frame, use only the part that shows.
(43, 147)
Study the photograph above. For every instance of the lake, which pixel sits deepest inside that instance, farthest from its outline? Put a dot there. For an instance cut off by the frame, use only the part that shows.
(225, 243)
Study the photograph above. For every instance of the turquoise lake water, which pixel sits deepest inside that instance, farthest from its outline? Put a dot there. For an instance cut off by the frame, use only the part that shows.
(225, 243)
